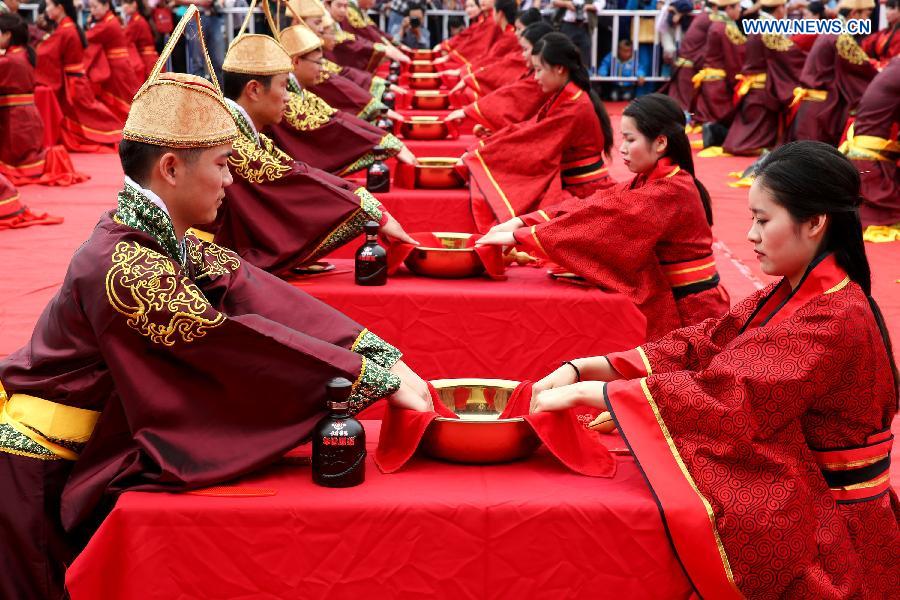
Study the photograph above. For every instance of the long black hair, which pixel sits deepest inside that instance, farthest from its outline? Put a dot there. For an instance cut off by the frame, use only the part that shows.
(17, 26)
(71, 12)
(812, 178)
(556, 49)
(656, 115)
(529, 16)
(534, 32)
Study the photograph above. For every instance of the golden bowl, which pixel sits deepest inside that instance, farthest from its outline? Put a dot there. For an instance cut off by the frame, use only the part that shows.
(424, 128)
(426, 55)
(422, 66)
(424, 81)
(452, 260)
(479, 436)
(438, 173)
(430, 100)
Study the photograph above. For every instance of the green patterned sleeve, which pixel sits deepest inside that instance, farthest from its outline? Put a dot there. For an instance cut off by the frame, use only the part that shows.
(370, 205)
(374, 383)
(371, 110)
(378, 87)
(374, 348)
(389, 142)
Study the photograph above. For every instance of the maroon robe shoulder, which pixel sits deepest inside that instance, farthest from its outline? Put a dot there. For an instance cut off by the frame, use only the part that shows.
(724, 54)
(690, 58)
(342, 94)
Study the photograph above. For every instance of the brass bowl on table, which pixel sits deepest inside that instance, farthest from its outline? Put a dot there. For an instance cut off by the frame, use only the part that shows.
(424, 81)
(424, 128)
(422, 66)
(428, 55)
(452, 260)
(479, 436)
(438, 173)
(430, 100)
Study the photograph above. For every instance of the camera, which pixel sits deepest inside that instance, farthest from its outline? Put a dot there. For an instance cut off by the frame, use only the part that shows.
(415, 22)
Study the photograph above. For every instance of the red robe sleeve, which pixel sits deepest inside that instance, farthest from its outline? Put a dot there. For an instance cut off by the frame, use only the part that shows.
(512, 103)
(726, 453)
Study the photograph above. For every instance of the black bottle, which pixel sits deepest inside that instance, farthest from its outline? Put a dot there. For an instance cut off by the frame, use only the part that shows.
(339, 441)
(378, 175)
(389, 99)
(371, 259)
(394, 69)
(383, 122)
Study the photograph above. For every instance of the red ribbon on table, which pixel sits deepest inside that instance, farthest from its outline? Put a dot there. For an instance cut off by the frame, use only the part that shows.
(563, 433)
(491, 256)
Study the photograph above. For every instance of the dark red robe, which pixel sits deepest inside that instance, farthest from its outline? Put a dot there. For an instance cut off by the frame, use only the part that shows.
(837, 66)
(690, 58)
(357, 52)
(109, 65)
(140, 35)
(280, 213)
(560, 147)
(874, 147)
(145, 354)
(765, 437)
(342, 94)
(23, 157)
(722, 62)
(513, 103)
(87, 125)
(883, 45)
(771, 71)
(328, 139)
(360, 24)
(647, 239)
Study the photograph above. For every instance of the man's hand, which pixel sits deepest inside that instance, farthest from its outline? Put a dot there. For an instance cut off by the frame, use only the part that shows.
(406, 156)
(395, 116)
(406, 398)
(394, 231)
(411, 379)
(398, 90)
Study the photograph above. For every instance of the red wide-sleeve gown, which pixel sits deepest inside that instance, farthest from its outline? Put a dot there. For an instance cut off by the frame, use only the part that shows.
(23, 157)
(647, 239)
(765, 436)
(109, 65)
(139, 34)
(560, 147)
(509, 104)
(87, 125)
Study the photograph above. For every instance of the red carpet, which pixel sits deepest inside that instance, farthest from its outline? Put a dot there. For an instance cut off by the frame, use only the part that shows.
(33, 260)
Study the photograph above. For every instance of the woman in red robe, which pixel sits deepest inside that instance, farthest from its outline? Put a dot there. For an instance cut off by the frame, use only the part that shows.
(480, 19)
(87, 125)
(560, 147)
(765, 434)
(108, 60)
(873, 146)
(650, 238)
(139, 34)
(15, 215)
(23, 157)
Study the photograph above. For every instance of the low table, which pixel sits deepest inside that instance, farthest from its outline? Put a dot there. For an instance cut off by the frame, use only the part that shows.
(530, 529)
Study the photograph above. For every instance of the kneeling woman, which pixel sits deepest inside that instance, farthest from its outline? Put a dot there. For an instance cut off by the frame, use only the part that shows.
(650, 238)
(513, 170)
(765, 434)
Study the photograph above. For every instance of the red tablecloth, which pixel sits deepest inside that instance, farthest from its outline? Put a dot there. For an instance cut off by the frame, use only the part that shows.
(51, 114)
(519, 329)
(525, 530)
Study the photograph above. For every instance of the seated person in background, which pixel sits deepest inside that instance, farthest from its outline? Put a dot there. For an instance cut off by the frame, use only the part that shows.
(281, 214)
(456, 24)
(624, 64)
(414, 33)
(649, 238)
(164, 363)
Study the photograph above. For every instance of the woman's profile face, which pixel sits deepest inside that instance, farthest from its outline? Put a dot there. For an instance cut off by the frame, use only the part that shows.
(98, 9)
(551, 78)
(639, 154)
(54, 11)
(783, 246)
(526, 47)
(472, 9)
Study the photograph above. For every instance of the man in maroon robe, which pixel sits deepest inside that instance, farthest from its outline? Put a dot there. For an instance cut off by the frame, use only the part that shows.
(834, 77)
(772, 65)
(317, 134)
(690, 56)
(282, 214)
(164, 363)
(873, 147)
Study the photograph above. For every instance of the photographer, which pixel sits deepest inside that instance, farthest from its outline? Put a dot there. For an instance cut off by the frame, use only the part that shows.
(413, 33)
(577, 19)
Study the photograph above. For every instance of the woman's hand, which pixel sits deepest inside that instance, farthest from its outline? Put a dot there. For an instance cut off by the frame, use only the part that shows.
(508, 226)
(481, 131)
(497, 238)
(563, 376)
(456, 115)
(584, 393)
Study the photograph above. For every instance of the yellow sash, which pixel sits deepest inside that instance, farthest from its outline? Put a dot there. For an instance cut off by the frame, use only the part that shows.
(755, 81)
(801, 94)
(707, 74)
(46, 423)
(869, 147)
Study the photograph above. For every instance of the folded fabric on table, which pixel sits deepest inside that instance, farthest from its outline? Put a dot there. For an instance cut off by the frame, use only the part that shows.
(563, 433)
(490, 256)
(405, 175)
